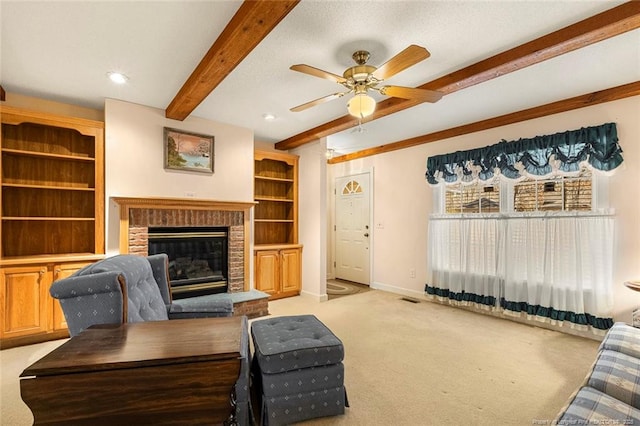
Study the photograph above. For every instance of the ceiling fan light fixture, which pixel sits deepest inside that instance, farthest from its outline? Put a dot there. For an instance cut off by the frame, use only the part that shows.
(361, 105)
(329, 153)
(361, 78)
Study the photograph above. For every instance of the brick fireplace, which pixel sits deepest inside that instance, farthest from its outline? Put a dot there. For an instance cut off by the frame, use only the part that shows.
(137, 215)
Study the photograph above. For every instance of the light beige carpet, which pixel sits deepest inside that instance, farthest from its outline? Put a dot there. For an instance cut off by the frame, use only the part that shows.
(414, 364)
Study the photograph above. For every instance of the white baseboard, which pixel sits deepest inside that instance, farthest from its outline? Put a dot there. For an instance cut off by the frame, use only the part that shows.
(314, 296)
(418, 294)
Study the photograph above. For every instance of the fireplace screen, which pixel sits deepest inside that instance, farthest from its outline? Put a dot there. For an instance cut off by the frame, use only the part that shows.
(198, 258)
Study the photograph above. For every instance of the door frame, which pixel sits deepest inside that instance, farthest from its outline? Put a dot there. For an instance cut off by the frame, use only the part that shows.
(370, 172)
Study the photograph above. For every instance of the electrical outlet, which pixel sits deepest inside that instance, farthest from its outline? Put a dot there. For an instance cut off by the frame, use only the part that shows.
(380, 225)
(190, 194)
(412, 273)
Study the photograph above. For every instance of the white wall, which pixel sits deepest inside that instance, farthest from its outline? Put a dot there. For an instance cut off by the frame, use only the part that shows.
(134, 161)
(402, 198)
(312, 221)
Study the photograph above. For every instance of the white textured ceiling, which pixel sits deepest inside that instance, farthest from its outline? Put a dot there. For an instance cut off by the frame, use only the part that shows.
(63, 50)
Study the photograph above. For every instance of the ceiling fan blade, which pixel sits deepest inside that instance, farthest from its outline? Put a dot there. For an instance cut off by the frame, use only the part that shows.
(318, 101)
(307, 69)
(403, 60)
(421, 95)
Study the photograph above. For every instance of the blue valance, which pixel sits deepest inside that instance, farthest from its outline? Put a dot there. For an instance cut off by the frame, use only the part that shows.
(538, 156)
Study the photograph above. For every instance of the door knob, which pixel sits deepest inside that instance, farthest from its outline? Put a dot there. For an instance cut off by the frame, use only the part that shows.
(366, 234)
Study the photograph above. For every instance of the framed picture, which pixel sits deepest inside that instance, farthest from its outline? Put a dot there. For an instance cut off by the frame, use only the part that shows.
(188, 151)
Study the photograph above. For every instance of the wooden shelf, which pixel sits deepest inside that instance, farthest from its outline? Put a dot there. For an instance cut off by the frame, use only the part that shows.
(52, 184)
(276, 194)
(50, 218)
(274, 199)
(47, 187)
(46, 258)
(274, 179)
(276, 246)
(20, 152)
(277, 254)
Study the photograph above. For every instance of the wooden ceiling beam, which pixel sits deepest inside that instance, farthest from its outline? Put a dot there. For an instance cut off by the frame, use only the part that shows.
(607, 95)
(610, 23)
(253, 21)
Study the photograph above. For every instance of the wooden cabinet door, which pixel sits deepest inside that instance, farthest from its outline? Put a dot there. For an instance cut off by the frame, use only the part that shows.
(59, 272)
(24, 300)
(291, 271)
(267, 271)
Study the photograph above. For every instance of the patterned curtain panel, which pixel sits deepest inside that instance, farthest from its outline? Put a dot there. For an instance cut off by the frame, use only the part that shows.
(543, 155)
(544, 268)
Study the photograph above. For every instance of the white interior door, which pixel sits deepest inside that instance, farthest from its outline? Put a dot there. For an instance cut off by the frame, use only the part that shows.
(352, 228)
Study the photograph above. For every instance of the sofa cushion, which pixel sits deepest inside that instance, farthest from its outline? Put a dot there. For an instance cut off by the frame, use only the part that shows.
(617, 375)
(145, 302)
(590, 406)
(288, 409)
(294, 342)
(622, 338)
(304, 380)
(215, 305)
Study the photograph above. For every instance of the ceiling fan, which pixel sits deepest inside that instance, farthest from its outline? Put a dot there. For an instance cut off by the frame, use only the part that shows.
(361, 78)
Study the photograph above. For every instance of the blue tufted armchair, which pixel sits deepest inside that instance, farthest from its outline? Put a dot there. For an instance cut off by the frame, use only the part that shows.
(130, 288)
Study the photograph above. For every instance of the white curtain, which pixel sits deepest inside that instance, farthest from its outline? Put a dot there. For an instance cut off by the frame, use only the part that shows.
(559, 263)
(555, 268)
(463, 258)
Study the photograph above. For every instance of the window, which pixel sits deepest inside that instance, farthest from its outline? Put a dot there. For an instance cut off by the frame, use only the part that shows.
(351, 187)
(529, 256)
(539, 261)
(475, 198)
(528, 247)
(557, 194)
(561, 193)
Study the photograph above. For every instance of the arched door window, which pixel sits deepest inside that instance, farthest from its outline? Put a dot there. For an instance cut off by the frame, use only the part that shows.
(352, 187)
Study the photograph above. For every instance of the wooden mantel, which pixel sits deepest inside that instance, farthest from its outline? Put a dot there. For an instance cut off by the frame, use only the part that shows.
(180, 203)
(129, 204)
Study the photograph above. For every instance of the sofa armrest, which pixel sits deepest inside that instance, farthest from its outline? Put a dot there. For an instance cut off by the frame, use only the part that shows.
(90, 299)
(74, 286)
(159, 266)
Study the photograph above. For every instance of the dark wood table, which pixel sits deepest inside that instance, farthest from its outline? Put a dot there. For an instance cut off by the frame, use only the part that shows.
(162, 372)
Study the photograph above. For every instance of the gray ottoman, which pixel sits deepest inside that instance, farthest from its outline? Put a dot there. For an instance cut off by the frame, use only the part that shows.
(297, 369)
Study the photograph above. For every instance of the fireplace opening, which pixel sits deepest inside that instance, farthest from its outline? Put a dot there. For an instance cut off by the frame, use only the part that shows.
(198, 258)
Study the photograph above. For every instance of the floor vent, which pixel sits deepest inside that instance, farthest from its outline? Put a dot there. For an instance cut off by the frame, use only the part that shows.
(410, 299)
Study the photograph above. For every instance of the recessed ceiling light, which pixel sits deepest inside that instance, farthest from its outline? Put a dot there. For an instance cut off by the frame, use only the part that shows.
(117, 77)
(268, 117)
